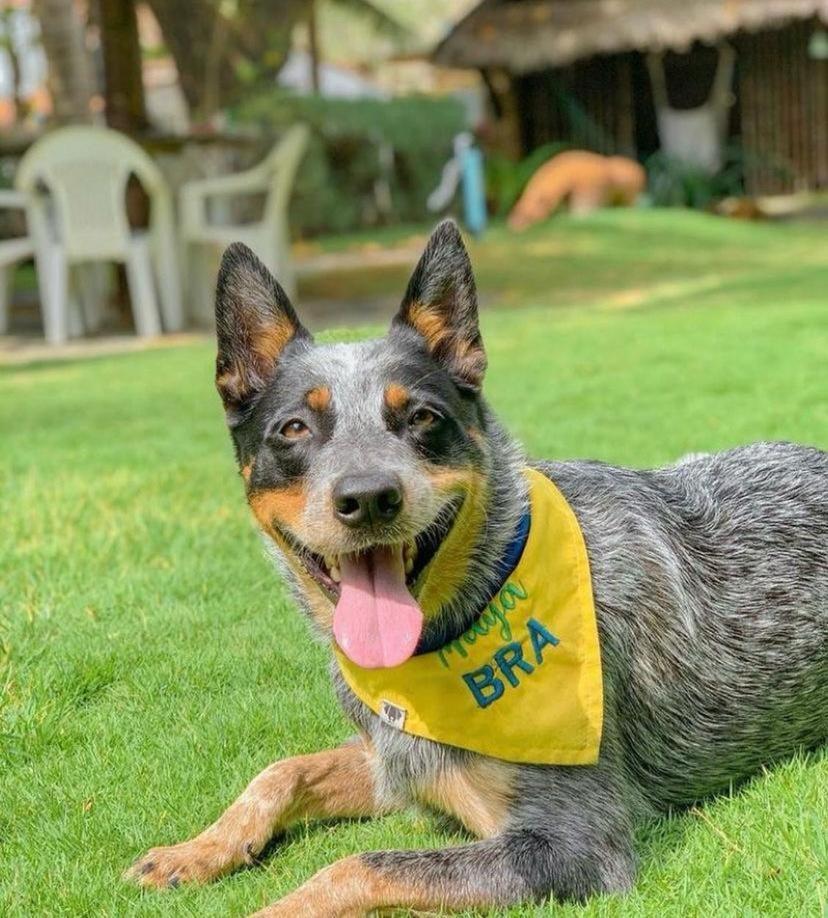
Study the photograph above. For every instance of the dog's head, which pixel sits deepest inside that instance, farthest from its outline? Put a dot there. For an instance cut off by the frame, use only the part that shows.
(365, 464)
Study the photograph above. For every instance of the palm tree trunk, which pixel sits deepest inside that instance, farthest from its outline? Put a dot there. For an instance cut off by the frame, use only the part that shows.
(70, 74)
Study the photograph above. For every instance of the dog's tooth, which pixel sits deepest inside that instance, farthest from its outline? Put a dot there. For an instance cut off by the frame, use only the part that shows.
(336, 576)
(330, 561)
(409, 565)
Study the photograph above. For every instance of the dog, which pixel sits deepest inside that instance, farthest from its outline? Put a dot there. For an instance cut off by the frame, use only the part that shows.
(585, 180)
(709, 582)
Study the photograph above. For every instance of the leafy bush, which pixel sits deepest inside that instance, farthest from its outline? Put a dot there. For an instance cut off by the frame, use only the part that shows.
(369, 161)
(675, 183)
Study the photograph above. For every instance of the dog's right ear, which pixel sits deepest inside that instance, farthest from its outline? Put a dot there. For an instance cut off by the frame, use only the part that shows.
(440, 305)
(255, 322)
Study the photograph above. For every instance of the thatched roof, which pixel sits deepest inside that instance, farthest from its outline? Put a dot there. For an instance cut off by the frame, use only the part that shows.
(537, 34)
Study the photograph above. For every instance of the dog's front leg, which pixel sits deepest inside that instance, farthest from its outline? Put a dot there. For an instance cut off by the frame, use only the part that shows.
(516, 866)
(335, 783)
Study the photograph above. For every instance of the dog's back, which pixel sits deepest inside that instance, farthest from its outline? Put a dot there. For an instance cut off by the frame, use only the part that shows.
(711, 581)
(587, 180)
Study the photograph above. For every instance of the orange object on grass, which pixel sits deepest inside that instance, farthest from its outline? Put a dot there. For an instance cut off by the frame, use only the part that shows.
(583, 180)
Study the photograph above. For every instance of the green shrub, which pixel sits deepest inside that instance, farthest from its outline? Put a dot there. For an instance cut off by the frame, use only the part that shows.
(674, 183)
(369, 161)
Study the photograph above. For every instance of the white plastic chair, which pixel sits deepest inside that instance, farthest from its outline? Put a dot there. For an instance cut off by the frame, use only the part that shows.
(75, 182)
(12, 251)
(269, 237)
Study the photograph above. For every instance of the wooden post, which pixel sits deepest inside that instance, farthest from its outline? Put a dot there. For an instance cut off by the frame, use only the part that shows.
(506, 137)
(624, 100)
(125, 107)
(313, 43)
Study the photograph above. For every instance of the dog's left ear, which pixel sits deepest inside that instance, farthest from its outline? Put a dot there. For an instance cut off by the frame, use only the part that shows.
(255, 323)
(440, 304)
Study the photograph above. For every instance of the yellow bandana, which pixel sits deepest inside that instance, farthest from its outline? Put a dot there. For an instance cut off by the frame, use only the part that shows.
(523, 684)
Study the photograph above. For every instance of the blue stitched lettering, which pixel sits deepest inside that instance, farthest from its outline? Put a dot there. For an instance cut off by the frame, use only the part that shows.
(484, 685)
(540, 638)
(509, 657)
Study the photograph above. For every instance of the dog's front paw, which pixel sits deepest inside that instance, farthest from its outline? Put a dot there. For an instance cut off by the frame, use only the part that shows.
(196, 861)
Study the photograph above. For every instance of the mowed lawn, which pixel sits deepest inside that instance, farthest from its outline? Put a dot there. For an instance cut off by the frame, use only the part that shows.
(152, 663)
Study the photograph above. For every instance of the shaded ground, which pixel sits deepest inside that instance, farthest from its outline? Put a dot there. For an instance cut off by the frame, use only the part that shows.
(614, 259)
(151, 663)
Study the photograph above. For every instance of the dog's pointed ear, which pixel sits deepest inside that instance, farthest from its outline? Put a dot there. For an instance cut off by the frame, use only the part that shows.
(255, 322)
(440, 304)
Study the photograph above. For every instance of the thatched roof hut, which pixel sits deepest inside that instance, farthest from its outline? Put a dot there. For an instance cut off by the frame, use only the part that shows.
(596, 50)
(537, 34)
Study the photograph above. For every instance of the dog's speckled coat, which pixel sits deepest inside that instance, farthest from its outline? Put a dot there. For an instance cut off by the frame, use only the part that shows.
(711, 588)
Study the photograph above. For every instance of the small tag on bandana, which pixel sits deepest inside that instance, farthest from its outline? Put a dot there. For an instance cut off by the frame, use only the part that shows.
(392, 714)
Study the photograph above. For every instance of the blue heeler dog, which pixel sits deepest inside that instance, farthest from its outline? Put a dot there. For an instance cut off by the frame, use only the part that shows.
(710, 581)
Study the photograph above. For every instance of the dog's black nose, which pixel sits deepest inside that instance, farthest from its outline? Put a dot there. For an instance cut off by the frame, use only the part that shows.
(364, 500)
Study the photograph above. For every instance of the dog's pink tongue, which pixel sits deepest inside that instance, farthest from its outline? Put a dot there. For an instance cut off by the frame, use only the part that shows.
(376, 621)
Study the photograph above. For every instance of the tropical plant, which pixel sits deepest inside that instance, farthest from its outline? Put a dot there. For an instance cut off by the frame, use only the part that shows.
(369, 161)
(673, 182)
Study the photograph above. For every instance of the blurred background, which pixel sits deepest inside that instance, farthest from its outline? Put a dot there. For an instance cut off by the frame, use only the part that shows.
(336, 131)
(642, 185)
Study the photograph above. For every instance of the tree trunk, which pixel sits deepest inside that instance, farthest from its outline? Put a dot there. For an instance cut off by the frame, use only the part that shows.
(70, 73)
(254, 42)
(125, 107)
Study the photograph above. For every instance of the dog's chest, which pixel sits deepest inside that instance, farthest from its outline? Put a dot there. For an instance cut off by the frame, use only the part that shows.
(474, 790)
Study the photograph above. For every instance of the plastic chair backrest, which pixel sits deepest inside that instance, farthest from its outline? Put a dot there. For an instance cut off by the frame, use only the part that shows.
(283, 161)
(86, 170)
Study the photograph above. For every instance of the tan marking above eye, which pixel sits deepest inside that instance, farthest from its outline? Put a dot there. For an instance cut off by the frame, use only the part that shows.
(318, 398)
(396, 396)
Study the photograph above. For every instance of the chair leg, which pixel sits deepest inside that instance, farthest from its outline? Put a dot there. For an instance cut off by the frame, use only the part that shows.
(6, 275)
(170, 295)
(76, 318)
(91, 281)
(142, 290)
(201, 283)
(54, 297)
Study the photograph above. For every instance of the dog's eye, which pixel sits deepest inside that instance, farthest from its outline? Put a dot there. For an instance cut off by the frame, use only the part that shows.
(295, 429)
(422, 418)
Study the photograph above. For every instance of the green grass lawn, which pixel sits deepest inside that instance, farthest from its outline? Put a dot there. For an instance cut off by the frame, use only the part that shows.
(152, 663)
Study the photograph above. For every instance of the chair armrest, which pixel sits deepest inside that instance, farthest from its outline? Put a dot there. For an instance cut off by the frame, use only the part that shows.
(248, 182)
(12, 199)
(195, 195)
